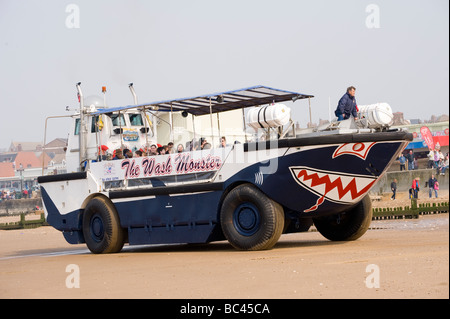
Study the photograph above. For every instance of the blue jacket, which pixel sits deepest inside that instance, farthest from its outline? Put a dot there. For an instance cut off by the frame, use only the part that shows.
(347, 106)
(431, 182)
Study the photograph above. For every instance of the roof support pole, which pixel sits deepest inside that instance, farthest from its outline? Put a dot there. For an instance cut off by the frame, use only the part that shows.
(97, 138)
(193, 127)
(211, 120)
(310, 117)
(245, 131)
(171, 123)
(121, 132)
(82, 133)
(144, 114)
(218, 127)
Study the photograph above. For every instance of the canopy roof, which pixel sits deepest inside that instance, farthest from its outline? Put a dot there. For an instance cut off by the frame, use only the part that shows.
(220, 102)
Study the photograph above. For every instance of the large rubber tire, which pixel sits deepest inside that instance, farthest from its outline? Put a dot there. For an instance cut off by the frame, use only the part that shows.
(101, 227)
(348, 225)
(250, 220)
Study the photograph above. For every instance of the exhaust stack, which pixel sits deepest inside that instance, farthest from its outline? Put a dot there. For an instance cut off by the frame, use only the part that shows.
(133, 92)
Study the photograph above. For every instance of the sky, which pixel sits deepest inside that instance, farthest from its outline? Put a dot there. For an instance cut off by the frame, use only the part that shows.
(392, 51)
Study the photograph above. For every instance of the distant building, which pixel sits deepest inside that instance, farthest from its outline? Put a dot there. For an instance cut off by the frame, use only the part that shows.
(7, 157)
(25, 147)
(55, 155)
(7, 170)
(57, 146)
(25, 161)
(399, 119)
(442, 118)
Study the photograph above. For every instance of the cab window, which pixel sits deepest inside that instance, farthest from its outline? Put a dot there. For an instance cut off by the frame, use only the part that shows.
(94, 124)
(77, 127)
(118, 121)
(136, 120)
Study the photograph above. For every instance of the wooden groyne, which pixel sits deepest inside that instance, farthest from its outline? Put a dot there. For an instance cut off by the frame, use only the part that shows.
(24, 223)
(409, 212)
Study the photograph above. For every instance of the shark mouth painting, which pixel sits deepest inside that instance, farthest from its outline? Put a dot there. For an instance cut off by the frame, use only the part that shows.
(342, 188)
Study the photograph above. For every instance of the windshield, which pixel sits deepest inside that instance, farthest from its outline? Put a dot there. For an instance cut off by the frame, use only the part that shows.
(115, 120)
(136, 120)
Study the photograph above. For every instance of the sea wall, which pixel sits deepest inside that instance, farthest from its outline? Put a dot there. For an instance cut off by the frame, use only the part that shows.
(405, 178)
(18, 206)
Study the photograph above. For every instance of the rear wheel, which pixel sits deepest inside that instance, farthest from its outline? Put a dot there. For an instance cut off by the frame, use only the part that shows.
(348, 225)
(101, 227)
(250, 220)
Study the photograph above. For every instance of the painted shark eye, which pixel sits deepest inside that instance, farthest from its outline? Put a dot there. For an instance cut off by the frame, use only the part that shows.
(357, 149)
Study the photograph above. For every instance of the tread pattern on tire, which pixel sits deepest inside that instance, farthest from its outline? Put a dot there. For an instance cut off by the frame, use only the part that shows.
(271, 224)
(114, 235)
(357, 221)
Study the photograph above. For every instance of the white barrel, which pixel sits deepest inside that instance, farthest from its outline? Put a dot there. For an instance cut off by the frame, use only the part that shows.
(273, 115)
(379, 114)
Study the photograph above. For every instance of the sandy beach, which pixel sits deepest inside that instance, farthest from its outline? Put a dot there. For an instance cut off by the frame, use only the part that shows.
(409, 257)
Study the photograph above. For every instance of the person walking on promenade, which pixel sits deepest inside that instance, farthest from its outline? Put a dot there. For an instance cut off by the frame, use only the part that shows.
(430, 159)
(394, 188)
(410, 159)
(431, 183)
(437, 158)
(444, 166)
(416, 187)
(436, 188)
(440, 163)
(402, 160)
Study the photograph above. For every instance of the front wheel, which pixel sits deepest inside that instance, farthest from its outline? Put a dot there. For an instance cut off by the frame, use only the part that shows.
(101, 227)
(250, 220)
(348, 225)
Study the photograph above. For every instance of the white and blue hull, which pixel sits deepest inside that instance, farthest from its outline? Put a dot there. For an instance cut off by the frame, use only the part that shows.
(176, 199)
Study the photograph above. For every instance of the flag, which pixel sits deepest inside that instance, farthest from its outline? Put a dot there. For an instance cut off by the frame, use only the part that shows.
(100, 123)
(427, 137)
(149, 121)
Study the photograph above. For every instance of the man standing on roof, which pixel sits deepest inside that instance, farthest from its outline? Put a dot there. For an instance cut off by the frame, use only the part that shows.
(347, 105)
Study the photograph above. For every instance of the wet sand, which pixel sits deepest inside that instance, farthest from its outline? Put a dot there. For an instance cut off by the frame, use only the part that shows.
(411, 258)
